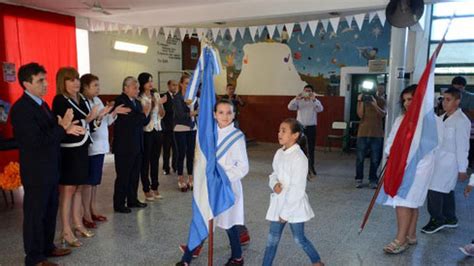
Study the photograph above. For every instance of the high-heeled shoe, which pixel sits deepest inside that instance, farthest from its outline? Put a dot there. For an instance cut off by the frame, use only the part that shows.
(88, 224)
(182, 184)
(190, 182)
(99, 218)
(83, 232)
(71, 240)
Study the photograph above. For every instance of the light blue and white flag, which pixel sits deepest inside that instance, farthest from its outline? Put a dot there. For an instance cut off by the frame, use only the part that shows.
(212, 192)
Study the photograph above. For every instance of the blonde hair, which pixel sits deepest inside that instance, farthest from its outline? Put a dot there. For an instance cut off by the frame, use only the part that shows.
(63, 74)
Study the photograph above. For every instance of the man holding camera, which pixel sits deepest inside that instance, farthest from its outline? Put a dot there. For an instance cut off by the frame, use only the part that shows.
(371, 111)
(307, 107)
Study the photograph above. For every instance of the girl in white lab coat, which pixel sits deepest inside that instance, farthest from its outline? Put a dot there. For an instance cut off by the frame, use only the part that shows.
(289, 202)
(236, 166)
(406, 207)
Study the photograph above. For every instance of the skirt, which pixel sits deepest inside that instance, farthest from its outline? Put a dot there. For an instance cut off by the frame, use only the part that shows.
(74, 166)
(96, 164)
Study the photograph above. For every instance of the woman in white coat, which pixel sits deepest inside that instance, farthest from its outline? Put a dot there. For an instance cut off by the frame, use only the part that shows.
(406, 207)
(234, 161)
(289, 202)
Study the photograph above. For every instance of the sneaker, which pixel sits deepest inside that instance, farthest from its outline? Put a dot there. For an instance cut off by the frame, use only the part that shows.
(166, 172)
(235, 262)
(244, 238)
(432, 227)
(182, 264)
(359, 183)
(149, 196)
(451, 223)
(468, 250)
(196, 252)
(373, 185)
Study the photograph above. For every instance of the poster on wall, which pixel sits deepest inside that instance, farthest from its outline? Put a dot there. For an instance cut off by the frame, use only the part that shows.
(9, 74)
(169, 50)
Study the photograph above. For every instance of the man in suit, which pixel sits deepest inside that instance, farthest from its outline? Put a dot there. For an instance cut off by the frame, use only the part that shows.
(128, 147)
(167, 124)
(39, 134)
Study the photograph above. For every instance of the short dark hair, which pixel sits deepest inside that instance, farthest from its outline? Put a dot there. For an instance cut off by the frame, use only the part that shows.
(229, 84)
(86, 80)
(309, 86)
(224, 101)
(26, 72)
(411, 90)
(456, 93)
(459, 81)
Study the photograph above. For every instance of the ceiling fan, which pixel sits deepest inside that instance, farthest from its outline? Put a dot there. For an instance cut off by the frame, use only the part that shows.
(96, 6)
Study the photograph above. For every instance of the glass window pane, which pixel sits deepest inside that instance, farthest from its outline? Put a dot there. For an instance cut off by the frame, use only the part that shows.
(455, 53)
(459, 8)
(461, 28)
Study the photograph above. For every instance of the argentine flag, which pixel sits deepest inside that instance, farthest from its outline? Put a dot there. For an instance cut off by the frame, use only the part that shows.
(212, 192)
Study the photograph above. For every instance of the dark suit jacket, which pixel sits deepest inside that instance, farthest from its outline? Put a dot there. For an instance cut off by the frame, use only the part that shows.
(128, 129)
(38, 136)
(167, 122)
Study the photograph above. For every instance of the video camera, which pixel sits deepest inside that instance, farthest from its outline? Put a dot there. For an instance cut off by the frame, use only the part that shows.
(368, 91)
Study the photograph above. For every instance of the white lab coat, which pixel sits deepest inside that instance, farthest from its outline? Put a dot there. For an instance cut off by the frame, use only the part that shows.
(290, 168)
(451, 158)
(236, 166)
(424, 171)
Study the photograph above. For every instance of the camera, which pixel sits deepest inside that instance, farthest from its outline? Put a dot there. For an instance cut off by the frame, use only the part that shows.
(367, 98)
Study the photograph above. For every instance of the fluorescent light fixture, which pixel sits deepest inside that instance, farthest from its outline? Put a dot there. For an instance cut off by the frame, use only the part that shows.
(367, 85)
(130, 47)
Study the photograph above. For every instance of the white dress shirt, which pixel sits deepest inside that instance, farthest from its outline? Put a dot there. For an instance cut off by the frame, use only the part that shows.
(306, 110)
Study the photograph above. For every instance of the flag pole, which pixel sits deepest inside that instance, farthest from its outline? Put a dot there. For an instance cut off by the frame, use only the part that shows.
(210, 243)
(374, 198)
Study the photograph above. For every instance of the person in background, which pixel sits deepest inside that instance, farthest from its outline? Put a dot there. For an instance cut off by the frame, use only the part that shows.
(100, 146)
(308, 106)
(185, 134)
(167, 126)
(153, 136)
(39, 134)
(371, 111)
(468, 249)
(74, 154)
(236, 101)
(128, 147)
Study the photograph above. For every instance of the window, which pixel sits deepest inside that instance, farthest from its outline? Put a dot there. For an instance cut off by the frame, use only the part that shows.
(457, 54)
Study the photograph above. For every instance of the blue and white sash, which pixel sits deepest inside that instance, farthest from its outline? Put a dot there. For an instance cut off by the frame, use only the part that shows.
(227, 143)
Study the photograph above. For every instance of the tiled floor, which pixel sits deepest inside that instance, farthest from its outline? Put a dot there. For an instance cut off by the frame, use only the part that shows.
(151, 236)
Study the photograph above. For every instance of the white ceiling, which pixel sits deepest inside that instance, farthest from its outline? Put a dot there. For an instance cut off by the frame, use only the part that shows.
(204, 13)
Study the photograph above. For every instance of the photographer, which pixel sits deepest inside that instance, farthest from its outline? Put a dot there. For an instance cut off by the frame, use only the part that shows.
(371, 111)
(307, 107)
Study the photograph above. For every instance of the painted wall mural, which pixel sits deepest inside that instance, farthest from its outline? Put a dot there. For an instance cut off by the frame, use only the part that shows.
(317, 59)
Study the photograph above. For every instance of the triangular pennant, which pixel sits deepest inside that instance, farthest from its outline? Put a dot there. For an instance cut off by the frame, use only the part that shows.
(371, 16)
(313, 25)
(289, 28)
(325, 24)
(140, 30)
(134, 30)
(215, 32)
(182, 33)
(232, 32)
(382, 17)
(359, 18)
(241, 31)
(260, 30)
(280, 28)
(349, 20)
(334, 23)
(253, 30)
(303, 26)
(151, 32)
(158, 31)
(167, 32)
(271, 30)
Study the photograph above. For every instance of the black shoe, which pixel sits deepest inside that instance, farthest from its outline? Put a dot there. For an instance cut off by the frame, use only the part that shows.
(432, 227)
(235, 262)
(451, 223)
(181, 264)
(359, 183)
(123, 209)
(137, 205)
(166, 172)
(373, 185)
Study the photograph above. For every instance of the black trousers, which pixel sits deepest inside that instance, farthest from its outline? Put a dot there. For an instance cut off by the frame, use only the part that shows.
(169, 145)
(40, 208)
(186, 142)
(152, 149)
(127, 168)
(441, 206)
(310, 132)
